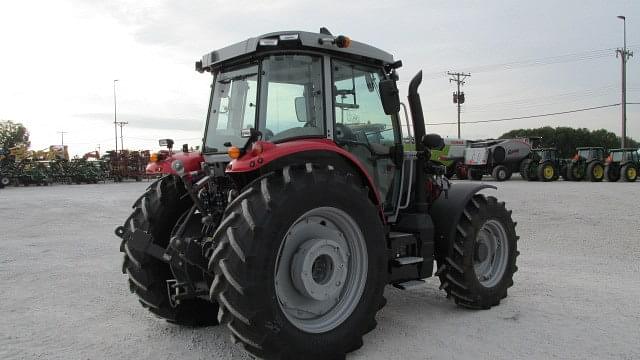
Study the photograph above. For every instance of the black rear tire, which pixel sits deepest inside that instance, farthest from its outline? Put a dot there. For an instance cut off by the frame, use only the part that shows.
(612, 173)
(524, 169)
(574, 172)
(156, 212)
(244, 262)
(457, 272)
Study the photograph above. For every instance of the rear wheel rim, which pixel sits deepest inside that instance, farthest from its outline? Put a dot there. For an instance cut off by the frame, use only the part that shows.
(321, 270)
(548, 172)
(632, 173)
(491, 253)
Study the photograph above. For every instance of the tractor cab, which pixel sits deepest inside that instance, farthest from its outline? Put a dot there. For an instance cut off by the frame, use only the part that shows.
(589, 154)
(545, 154)
(296, 93)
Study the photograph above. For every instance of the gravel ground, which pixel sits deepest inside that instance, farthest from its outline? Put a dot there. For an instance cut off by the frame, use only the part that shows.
(575, 296)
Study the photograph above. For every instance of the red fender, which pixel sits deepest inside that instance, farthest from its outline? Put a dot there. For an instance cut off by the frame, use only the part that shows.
(255, 158)
(192, 162)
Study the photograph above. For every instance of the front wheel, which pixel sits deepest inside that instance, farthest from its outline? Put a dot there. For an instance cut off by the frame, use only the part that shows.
(481, 261)
(595, 171)
(547, 172)
(156, 212)
(630, 172)
(300, 267)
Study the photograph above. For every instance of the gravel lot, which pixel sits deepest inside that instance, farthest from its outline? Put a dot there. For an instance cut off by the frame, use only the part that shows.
(576, 294)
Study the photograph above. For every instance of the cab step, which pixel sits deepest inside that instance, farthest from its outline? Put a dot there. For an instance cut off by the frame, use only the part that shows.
(407, 260)
(408, 285)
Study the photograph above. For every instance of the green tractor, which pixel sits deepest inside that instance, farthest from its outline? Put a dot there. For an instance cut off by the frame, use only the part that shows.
(622, 163)
(588, 163)
(543, 164)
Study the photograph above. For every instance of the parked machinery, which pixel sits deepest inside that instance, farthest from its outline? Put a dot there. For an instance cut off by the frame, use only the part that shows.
(542, 164)
(292, 221)
(622, 163)
(127, 164)
(452, 156)
(588, 163)
(498, 158)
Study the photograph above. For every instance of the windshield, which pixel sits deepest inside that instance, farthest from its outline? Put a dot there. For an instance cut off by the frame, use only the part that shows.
(616, 156)
(290, 106)
(233, 108)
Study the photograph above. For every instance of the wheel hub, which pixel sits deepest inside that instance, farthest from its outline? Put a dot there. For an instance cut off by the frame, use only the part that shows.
(319, 268)
(482, 251)
(491, 253)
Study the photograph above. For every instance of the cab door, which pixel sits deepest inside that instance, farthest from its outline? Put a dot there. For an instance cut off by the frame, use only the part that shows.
(362, 127)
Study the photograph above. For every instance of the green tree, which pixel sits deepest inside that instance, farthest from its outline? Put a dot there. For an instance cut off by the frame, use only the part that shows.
(13, 134)
(567, 139)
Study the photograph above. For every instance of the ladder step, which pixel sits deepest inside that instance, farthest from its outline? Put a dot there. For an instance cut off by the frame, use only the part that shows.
(407, 260)
(395, 235)
(408, 285)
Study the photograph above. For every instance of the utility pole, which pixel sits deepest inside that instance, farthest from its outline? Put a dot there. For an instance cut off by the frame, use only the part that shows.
(121, 124)
(624, 54)
(62, 134)
(115, 118)
(458, 97)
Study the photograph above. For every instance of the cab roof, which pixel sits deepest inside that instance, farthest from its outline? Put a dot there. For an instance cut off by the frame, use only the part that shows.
(625, 149)
(293, 40)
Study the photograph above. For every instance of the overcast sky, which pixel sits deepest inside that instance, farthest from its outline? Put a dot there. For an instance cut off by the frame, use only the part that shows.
(58, 60)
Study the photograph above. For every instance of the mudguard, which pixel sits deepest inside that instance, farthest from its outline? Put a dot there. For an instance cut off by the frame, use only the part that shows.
(191, 160)
(446, 212)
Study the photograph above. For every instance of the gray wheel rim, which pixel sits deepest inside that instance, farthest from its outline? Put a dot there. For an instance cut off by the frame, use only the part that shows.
(5, 181)
(491, 253)
(321, 270)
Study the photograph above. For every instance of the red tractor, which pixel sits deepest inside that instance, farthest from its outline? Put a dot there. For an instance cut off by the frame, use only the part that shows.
(303, 205)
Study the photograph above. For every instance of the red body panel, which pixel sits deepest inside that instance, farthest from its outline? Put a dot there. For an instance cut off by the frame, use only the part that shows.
(270, 152)
(191, 160)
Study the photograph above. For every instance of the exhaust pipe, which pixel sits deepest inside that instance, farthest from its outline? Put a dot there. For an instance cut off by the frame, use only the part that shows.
(419, 131)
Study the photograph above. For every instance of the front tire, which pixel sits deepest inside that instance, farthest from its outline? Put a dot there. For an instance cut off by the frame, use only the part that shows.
(269, 237)
(547, 172)
(481, 260)
(595, 172)
(630, 172)
(156, 212)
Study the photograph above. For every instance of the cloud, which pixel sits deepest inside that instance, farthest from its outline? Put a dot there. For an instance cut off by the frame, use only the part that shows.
(142, 121)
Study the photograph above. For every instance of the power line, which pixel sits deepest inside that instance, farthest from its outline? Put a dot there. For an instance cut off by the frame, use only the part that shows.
(529, 116)
(549, 60)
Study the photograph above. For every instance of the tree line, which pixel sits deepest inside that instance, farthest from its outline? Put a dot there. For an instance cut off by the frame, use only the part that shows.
(567, 139)
(13, 134)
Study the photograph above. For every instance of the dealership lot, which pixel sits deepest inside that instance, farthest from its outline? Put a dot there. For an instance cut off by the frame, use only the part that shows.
(575, 295)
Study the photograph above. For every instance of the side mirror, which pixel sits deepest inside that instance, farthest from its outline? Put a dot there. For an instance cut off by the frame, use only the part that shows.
(433, 141)
(301, 108)
(390, 96)
(166, 142)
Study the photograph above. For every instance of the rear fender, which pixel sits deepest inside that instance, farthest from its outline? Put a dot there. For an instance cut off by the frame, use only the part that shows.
(446, 213)
(276, 156)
